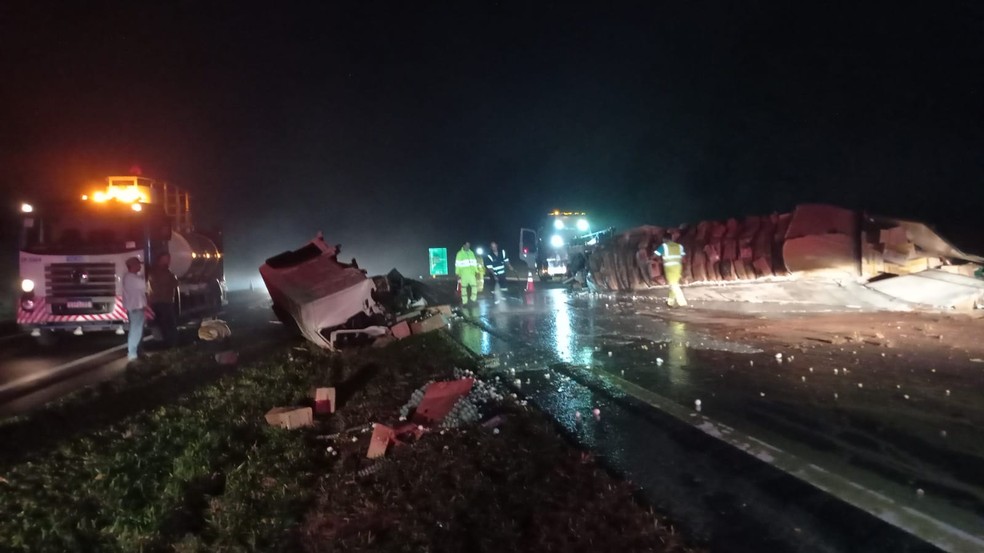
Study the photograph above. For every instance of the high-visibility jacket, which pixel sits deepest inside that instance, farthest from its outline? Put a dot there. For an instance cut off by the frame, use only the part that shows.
(466, 264)
(672, 254)
(497, 263)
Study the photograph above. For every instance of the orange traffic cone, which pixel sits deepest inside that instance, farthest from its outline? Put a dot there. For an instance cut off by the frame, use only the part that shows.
(529, 283)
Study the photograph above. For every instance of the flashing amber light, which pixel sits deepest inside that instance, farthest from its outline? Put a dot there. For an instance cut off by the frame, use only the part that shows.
(125, 194)
(558, 212)
(194, 255)
(208, 255)
(136, 207)
(85, 197)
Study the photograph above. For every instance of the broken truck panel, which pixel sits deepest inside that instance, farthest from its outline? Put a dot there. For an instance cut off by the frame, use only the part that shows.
(317, 294)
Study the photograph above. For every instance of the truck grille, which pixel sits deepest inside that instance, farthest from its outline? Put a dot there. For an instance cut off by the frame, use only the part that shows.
(80, 280)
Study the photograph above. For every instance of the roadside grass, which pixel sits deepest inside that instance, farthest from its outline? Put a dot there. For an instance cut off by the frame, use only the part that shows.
(176, 456)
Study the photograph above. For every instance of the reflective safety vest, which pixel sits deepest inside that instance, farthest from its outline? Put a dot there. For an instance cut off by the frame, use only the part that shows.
(465, 263)
(497, 264)
(671, 252)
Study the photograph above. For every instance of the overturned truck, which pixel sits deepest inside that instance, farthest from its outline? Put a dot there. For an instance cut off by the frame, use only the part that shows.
(900, 259)
(335, 304)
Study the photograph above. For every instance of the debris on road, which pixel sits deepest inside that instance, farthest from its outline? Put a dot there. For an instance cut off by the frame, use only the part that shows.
(382, 437)
(324, 400)
(214, 329)
(290, 417)
(319, 295)
(820, 254)
(227, 357)
(336, 305)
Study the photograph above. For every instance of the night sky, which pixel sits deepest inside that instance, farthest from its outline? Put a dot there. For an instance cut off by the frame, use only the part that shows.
(394, 126)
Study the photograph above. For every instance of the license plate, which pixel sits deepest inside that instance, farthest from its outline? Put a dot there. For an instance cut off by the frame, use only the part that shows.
(79, 305)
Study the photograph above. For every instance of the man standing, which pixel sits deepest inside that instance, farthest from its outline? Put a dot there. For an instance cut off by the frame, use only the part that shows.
(497, 262)
(466, 267)
(163, 286)
(134, 301)
(672, 254)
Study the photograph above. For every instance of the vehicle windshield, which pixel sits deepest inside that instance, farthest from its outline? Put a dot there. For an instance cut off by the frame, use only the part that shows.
(82, 231)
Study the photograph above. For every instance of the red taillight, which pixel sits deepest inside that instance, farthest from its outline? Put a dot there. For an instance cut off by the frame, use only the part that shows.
(526, 250)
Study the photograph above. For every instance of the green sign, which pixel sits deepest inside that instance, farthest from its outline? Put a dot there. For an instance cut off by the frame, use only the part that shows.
(438, 261)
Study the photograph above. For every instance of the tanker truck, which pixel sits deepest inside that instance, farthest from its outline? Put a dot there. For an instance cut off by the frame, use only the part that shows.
(73, 254)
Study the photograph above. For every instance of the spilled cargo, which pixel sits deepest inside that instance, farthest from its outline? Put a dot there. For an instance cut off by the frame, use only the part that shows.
(865, 254)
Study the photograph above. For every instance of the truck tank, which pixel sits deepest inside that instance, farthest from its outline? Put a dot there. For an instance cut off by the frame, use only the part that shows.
(193, 256)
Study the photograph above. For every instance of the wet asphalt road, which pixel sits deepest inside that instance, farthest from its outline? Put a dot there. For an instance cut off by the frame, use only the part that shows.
(573, 352)
(32, 375)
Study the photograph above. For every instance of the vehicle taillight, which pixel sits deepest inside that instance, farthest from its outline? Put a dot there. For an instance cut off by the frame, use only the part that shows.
(526, 250)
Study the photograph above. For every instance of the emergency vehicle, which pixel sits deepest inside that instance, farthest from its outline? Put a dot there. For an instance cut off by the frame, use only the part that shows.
(73, 254)
(549, 250)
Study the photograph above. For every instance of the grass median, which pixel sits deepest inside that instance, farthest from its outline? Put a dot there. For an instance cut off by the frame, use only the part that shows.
(177, 457)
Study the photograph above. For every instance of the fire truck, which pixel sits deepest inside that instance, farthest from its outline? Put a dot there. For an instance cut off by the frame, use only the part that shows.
(73, 254)
(553, 249)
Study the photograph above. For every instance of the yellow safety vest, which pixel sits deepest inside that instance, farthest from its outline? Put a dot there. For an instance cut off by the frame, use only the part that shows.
(672, 253)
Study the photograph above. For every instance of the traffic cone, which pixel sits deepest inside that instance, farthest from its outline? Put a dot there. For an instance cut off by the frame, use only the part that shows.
(529, 282)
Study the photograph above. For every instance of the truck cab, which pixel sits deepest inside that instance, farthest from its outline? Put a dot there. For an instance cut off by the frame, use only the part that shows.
(548, 250)
(73, 254)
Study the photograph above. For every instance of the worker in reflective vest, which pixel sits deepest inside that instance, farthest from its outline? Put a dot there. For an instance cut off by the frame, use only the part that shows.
(466, 267)
(672, 256)
(497, 261)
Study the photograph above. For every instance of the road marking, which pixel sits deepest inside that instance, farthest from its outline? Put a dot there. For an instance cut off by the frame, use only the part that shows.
(32, 378)
(917, 523)
(925, 527)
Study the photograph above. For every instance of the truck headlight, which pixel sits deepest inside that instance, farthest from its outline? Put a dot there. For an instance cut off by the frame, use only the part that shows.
(558, 224)
(582, 225)
(557, 241)
(27, 285)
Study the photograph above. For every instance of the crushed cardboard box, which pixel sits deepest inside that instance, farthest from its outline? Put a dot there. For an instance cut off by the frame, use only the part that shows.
(290, 417)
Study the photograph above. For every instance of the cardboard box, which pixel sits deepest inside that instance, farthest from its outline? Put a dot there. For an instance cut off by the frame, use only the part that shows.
(382, 435)
(290, 417)
(429, 324)
(324, 400)
(400, 330)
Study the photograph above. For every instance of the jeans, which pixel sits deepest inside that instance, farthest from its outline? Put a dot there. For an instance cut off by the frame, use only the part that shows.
(136, 332)
(167, 320)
